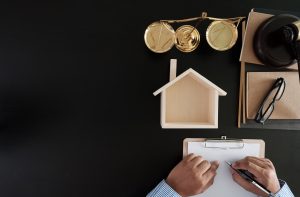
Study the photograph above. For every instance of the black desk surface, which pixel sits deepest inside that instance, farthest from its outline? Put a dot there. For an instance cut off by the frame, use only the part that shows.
(78, 117)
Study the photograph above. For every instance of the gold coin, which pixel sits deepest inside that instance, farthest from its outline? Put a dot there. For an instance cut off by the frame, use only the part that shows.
(187, 38)
(159, 37)
(221, 35)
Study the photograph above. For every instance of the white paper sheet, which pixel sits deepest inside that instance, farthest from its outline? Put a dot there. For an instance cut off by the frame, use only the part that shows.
(223, 183)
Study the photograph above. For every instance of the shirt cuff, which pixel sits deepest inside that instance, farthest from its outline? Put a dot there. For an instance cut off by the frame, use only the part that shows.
(163, 190)
(284, 191)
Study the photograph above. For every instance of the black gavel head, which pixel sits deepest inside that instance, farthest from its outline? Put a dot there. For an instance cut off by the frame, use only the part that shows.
(272, 40)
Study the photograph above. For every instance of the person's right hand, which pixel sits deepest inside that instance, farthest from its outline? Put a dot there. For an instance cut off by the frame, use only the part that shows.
(262, 169)
(193, 175)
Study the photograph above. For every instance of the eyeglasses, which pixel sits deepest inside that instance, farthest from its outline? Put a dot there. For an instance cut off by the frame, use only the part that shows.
(267, 106)
(221, 34)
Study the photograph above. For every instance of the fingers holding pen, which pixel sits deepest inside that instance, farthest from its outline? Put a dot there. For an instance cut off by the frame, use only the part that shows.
(263, 170)
(249, 165)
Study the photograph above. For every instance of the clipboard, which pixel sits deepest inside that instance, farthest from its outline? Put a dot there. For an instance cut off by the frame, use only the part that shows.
(224, 149)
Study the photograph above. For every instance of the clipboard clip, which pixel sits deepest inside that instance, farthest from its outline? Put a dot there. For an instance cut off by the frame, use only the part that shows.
(224, 143)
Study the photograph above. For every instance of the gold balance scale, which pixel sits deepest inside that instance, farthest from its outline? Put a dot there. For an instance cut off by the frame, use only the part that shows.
(221, 34)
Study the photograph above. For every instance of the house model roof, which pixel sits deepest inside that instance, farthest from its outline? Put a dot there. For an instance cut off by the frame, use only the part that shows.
(197, 76)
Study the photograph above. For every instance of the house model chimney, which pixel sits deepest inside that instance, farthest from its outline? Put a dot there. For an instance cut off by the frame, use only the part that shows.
(173, 67)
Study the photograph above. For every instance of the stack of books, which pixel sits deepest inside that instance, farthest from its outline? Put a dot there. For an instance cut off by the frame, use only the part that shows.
(256, 79)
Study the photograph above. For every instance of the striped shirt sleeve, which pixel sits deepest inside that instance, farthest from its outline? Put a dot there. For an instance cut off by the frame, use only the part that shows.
(163, 190)
(284, 191)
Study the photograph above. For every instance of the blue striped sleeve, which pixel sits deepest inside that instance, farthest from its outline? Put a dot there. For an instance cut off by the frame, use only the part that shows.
(284, 191)
(163, 190)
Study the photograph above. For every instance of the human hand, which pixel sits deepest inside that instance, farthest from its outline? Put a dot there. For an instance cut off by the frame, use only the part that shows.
(264, 172)
(193, 175)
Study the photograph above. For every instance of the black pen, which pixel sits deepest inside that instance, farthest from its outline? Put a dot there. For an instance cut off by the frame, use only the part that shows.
(250, 178)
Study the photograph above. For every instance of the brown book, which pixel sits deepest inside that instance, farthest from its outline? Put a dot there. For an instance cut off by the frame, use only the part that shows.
(258, 86)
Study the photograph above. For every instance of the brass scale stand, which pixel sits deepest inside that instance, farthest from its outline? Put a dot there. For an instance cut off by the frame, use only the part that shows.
(187, 38)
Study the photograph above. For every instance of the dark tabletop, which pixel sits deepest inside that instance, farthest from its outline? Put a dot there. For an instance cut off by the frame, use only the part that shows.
(78, 117)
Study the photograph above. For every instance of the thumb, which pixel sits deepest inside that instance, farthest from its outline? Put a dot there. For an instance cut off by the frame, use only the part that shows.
(214, 165)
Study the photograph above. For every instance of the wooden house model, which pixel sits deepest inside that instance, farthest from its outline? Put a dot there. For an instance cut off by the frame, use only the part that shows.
(189, 100)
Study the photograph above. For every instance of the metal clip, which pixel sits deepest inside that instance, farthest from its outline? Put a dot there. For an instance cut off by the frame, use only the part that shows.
(224, 143)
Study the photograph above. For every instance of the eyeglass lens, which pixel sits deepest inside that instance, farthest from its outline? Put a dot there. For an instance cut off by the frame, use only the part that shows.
(269, 100)
(267, 113)
(275, 94)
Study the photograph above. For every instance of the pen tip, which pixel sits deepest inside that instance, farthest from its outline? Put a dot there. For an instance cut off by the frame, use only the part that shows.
(228, 163)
